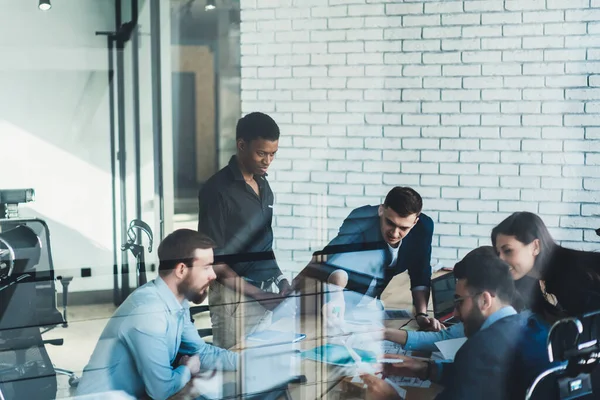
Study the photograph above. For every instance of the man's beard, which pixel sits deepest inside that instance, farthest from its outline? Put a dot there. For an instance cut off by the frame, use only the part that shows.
(193, 295)
(472, 322)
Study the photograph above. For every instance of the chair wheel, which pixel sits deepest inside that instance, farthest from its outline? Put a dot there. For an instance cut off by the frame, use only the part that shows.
(73, 381)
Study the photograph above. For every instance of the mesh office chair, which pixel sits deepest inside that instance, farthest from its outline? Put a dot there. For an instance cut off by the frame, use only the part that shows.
(26, 371)
(575, 343)
(48, 315)
(204, 332)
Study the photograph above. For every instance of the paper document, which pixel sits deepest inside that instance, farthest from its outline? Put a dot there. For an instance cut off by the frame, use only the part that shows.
(401, 392)
(395, 348)
(409, 382)
(397, 314)
(448, 348)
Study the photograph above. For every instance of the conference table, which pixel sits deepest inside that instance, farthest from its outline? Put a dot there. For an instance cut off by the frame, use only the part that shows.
(327, 381)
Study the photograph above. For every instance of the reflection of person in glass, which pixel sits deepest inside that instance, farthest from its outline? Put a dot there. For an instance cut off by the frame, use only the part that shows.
(236, 210)
(385, 241)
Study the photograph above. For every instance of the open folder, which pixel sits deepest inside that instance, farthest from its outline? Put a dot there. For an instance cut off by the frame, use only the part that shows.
(337, 355)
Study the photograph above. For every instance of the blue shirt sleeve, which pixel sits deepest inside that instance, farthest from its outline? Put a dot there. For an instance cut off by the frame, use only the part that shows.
(210, 356)
(425, 341)
(149, 350)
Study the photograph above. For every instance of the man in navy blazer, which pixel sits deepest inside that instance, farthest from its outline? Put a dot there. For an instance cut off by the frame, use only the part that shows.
(504, 352)
(376, 243)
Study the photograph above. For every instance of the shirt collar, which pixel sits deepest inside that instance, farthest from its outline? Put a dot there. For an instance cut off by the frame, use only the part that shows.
(394, 249)
(168, 296)
(235, 169)
(498, 315)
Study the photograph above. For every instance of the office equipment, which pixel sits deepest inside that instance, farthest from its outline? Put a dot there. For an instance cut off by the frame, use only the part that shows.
(26, 371)
(573, 343)
(133, 244)
(203, 332)
(40, 266)
(442, 292)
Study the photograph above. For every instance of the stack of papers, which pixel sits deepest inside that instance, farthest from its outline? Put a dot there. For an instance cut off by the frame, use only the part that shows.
(395, 348)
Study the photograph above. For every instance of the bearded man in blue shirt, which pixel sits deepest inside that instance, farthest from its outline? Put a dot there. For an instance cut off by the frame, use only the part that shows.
(138, 348)
(504, 352)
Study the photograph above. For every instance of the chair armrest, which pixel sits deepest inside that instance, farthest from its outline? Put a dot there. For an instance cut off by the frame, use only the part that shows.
(198, 309)
(205, 332)
(54, 342)
(64, 281)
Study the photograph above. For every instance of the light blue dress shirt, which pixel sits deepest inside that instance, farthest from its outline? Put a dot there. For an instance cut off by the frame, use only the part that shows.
(425, 341)
(140, 342)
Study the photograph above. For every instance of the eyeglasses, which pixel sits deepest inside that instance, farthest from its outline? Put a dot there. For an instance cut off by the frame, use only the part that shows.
(459, 300)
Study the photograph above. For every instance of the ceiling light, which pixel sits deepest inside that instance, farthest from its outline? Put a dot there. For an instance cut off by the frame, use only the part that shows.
(44, 5)
(210, 5)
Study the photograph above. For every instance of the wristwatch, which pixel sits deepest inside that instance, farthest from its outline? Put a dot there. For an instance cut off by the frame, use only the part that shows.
(421, 314)
(279, 279)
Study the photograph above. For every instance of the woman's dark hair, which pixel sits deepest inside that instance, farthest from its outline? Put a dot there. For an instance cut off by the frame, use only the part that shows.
(552, 261)
(256, 125)
(179, 247)
(483, 270)
(527, 227)
(404, 201)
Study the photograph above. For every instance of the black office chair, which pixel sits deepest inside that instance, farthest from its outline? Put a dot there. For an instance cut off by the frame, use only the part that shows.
(26, 371)
(205, 332)
(575, 344)
(48, 315)
(133, 244)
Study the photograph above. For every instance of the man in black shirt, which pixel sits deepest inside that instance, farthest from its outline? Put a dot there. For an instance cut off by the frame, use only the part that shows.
(236, 210)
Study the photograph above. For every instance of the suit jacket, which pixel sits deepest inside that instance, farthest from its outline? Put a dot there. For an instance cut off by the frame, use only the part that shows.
(499, 362)
(360, 250)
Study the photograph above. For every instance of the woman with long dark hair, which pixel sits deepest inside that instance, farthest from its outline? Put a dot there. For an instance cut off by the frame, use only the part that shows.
(542, 268)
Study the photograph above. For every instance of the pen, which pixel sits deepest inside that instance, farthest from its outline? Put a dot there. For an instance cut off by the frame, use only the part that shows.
(389, 361)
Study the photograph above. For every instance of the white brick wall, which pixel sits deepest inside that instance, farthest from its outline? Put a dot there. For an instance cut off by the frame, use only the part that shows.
(485, 106)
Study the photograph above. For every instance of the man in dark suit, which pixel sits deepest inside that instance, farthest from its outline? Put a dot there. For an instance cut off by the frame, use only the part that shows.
(376, 243)
(503, 353)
